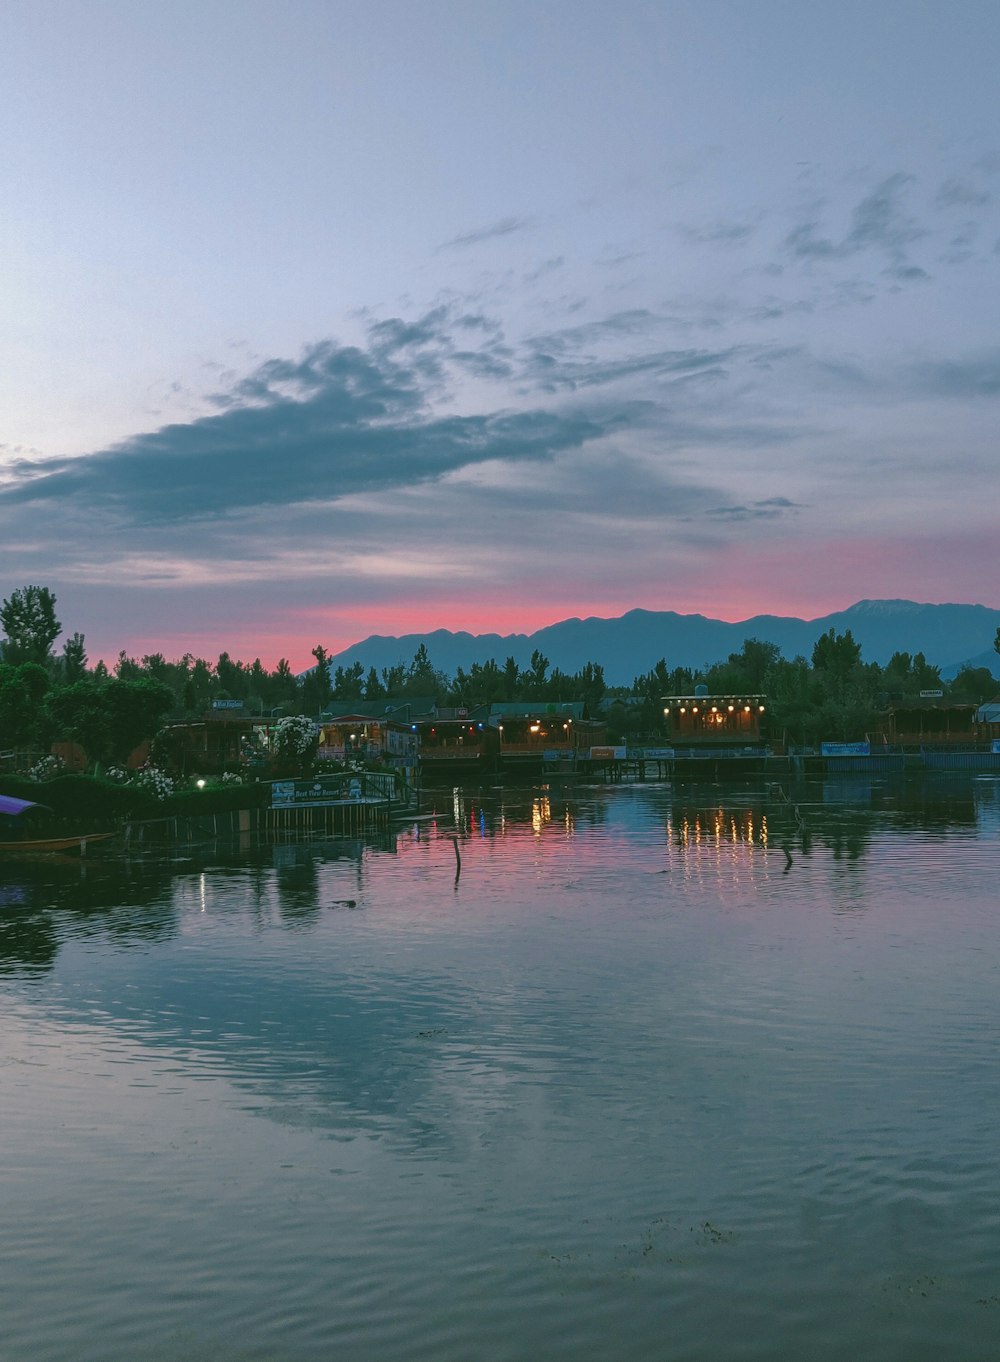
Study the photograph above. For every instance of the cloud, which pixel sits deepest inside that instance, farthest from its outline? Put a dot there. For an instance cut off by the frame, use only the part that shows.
(973, 376)
(505, 227)
(878, 223)
(544, 267)
(720, 232)
(337, 421)
(959, 193)
(767, 509)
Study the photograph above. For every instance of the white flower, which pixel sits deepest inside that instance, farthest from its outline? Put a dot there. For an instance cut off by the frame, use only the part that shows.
(154, 780)
(47, 767)
(295, 735)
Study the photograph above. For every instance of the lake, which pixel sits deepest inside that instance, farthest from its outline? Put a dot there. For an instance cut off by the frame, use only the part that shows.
(663, 1073)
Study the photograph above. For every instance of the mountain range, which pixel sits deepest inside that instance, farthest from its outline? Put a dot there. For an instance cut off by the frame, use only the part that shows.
(949, 636)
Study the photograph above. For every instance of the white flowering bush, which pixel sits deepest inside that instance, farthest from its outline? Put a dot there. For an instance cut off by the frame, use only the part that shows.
(154, 780)
(232, 778)
(47, 767)
(295, 736)
(117, 775)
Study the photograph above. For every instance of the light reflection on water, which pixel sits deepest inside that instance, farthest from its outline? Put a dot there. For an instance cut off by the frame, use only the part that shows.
(687, 1074)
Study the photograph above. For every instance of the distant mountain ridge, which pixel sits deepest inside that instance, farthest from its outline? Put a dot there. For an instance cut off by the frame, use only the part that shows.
(630, 644)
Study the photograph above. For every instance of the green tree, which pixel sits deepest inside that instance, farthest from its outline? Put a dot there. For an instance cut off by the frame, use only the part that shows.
(135, 711)
(591, 685)
(231, 678)
(510, 679)
(347, 682)
(394, 680)
(316, 685)
(374, 690)
(973, 685)
(421, 677)
(23, 719)
(534, 681)
(79, 712)
(74, 660)
(28, 617)
(285, 686)
(836, 653)
(996, 641)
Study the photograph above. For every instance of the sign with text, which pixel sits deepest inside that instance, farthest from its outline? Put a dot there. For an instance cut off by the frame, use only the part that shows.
(846, 749)
(301, 794)
(607, 754)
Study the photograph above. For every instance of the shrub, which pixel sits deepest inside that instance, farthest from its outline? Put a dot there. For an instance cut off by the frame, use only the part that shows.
(47, 767)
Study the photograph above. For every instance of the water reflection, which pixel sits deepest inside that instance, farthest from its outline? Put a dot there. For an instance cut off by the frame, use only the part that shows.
(632, 1066)
(44, 900)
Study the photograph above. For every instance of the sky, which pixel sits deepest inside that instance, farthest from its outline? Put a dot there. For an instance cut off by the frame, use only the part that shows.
(319, 320)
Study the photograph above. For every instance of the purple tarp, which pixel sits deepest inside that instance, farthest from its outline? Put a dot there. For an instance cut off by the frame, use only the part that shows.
(12, 807)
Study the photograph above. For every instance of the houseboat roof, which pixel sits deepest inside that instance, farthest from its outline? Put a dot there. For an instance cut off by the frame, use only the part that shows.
(540, 709)
(403, 711)
(355, 717)
(740, 697)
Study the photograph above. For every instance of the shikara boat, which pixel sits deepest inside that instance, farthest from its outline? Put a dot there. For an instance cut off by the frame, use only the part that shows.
(19, 817)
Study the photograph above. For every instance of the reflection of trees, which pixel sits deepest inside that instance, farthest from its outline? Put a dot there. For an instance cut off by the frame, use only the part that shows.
(297, 874)
(29, 943)
(939, 801)
(45, 902)
(297, 883)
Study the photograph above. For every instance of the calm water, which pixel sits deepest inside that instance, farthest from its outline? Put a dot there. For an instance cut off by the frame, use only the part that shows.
(638, 1085)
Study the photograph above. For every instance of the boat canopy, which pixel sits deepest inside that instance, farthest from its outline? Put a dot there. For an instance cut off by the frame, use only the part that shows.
(12, 807)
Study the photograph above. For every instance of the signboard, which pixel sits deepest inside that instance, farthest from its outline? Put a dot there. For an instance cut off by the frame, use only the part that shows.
(607, 754)
(301, 794)
(659, 753)
(846, 749)
(931, 694)
(227, 704)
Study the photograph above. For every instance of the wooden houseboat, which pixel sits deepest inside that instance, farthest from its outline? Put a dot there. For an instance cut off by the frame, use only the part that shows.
(703, 721)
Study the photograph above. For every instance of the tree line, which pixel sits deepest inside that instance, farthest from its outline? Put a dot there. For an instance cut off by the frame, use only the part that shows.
(45, 694)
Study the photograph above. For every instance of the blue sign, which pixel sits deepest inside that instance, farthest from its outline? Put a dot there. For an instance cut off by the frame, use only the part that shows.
(846, 749)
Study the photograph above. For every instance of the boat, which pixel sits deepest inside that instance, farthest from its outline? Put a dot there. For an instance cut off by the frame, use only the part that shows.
(18, 816)
(80, 842)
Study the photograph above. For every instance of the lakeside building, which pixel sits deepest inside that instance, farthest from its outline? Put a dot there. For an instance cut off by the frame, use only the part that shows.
(361, 737)
(988, 721)
(221, 740)
(703, 720)
(457, 739)
(926, 722)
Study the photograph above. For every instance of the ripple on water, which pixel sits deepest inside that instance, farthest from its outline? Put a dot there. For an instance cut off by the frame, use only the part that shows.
(638, 1085)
